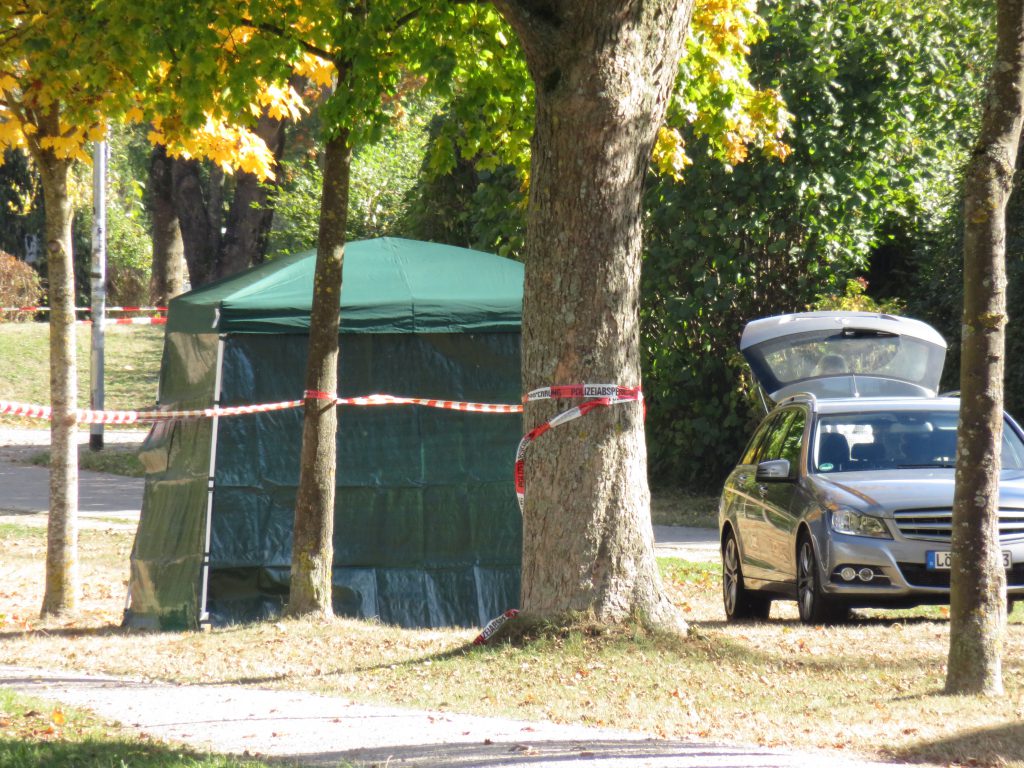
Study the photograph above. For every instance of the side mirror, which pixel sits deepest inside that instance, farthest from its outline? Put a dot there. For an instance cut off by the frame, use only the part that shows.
(773, 470)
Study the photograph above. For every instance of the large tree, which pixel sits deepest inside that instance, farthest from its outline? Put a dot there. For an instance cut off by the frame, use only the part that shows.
(603, 72)
(67, 69)
(978, 581)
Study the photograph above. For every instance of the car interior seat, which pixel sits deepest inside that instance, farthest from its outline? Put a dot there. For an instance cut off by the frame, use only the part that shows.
(834, 449)
(868, 453)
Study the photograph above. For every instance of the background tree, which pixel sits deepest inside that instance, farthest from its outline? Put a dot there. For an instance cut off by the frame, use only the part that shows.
(168, 247)
(978, 581)
(225, 219)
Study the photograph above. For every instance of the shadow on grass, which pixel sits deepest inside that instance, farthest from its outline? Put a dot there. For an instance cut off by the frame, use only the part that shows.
(70, 633)
(998, 745)
(103, 753)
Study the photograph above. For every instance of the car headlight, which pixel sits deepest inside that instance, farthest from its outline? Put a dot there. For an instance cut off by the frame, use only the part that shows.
(846, 520)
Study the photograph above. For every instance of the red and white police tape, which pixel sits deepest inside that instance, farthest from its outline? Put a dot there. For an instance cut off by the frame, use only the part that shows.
(86, 309)
(494, 625)
(129, 321)
(603, 396)
(85, 416)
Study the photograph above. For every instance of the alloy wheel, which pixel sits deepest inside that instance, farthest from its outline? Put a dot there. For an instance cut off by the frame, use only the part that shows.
(730, 576)
(806, 580)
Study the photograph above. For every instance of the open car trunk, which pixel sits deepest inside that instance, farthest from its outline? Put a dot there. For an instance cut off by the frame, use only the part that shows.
(844, 354)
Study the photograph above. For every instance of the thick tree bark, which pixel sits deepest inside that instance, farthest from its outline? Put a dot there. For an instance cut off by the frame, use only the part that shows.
(312, 547)
(168, 248)
(978, 596)
(63, 587)
(603, 72)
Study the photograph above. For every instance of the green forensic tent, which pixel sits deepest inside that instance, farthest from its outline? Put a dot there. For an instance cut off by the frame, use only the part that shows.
(426, 531)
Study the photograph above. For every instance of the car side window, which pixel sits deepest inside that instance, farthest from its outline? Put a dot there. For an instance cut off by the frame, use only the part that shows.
(750, 456)
(776, 440)
(794, 440)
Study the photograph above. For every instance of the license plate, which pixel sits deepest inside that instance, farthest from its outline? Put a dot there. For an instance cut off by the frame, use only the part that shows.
(942, 561)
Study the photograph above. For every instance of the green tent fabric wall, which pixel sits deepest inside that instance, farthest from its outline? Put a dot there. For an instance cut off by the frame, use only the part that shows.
(427, 531)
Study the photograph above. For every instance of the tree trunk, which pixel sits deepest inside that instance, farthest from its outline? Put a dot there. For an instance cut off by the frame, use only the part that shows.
(978, 582)
(63, 588)
(168, 247)
(603, 73)
(312, 547)
(251, 214)
(198, 207)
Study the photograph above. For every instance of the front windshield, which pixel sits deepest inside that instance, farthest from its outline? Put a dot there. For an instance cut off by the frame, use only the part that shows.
(852, 442)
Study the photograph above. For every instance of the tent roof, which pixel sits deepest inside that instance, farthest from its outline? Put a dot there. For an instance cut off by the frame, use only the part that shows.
(389, 285)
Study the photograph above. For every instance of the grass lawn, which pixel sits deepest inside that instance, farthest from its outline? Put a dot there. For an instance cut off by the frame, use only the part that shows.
(131, 359)
(36, 734)
(872, 687)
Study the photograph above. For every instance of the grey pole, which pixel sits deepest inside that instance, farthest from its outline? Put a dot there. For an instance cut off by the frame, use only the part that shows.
(98, 276)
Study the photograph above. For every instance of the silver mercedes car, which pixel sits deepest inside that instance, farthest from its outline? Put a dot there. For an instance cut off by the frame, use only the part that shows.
(843, 497)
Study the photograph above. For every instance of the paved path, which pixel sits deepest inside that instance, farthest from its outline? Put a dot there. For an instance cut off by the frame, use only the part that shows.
(323, 731)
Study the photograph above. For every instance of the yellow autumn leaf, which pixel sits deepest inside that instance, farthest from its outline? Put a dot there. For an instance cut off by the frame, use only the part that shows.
(318, 70)
(669, 154)
(57, 717)
(12, 134)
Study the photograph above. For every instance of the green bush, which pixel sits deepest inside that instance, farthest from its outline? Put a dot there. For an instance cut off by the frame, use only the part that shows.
(20, 286)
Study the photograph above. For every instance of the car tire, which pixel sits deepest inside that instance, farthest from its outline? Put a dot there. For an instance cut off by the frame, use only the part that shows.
(741, 604)
(815, 606)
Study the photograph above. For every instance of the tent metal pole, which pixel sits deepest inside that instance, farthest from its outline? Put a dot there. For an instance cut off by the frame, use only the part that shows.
(204, 615)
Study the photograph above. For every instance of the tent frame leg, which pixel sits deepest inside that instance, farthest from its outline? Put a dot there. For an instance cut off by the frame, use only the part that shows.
(204, 615)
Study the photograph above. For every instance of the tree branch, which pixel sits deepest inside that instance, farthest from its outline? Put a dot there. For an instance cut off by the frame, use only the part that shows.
(281, 32)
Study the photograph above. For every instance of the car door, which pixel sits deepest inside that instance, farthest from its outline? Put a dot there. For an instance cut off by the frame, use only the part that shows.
(737, 499)
(781, 504)
(768, 499)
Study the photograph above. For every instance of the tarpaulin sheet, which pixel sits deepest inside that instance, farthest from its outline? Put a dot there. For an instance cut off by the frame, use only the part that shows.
(168, 552)
(426, 530)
